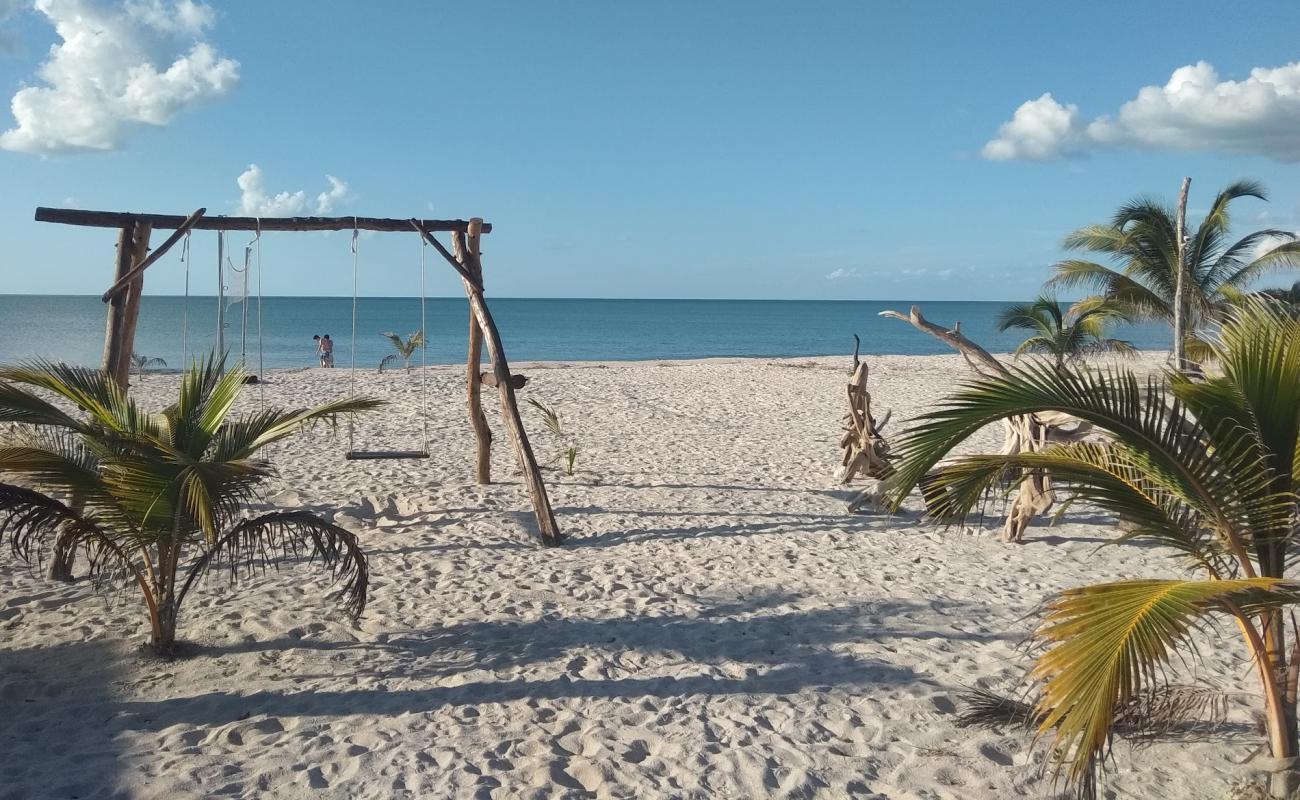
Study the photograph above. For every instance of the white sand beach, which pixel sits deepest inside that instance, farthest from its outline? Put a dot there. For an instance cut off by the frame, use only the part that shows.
(716, 624)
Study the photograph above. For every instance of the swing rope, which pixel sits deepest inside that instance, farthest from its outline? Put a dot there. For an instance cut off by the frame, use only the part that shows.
(424, 360)
(352, 375)
(185, 306)
(261, 377)
(354, 454)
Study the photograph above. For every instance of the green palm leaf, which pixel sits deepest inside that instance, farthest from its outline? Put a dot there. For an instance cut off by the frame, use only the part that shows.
(1110, 641)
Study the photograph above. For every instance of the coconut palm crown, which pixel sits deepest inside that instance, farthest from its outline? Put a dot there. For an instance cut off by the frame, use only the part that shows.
(144, 363)
(1209, 468)
(405, 348)
(156, 497)
(1066, 334)
(1141, 243)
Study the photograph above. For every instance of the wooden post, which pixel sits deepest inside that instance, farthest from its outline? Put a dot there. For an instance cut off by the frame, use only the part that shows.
(113, 330)
(550, 530)
(1180, 281)
(124, 308)
(131, 316)
(467, 250)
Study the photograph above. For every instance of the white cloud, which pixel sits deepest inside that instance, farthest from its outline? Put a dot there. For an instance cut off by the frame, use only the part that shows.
(256, 201)
(1040, 130)
(338, 192)
(118, 67)
(842, 273)
(1194, 110)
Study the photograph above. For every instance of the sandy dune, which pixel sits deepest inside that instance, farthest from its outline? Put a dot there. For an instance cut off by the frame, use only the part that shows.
(717, 625)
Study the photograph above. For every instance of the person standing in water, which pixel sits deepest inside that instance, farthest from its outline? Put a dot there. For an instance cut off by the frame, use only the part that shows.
(324, 350)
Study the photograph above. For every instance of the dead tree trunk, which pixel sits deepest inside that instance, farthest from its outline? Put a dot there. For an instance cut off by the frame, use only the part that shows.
(1029, 433)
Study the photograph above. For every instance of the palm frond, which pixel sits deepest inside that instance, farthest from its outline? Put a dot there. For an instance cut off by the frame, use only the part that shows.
(1117, 483)
(91, 391)
(1108, 643)
(549, 416)
(34, 522)
(255, 544)
(243, 438)
(1283, 256)
(1156, 712)
(1227, 487)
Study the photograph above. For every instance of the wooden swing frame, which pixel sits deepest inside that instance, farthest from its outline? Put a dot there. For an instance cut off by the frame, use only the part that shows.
(134, 257)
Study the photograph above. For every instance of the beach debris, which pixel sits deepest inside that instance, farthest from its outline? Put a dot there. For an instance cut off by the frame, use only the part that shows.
(1028, 433)
(865, 450)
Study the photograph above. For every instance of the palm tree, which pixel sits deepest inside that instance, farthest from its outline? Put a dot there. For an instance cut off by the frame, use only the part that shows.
(1209, 468)
(405, 348)
(1142, 243)
(1066, 334)
(156, 497)
(143, 363)
(1289, 298)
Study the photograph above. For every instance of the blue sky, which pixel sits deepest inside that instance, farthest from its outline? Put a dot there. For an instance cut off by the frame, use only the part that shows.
(668, 149)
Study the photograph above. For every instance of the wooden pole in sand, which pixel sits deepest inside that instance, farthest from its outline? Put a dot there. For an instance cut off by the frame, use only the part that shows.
(546, 523)
(124, 307)
(466, 248)
(1180, 281)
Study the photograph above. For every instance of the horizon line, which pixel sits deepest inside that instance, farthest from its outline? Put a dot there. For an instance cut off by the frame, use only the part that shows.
(510, 297)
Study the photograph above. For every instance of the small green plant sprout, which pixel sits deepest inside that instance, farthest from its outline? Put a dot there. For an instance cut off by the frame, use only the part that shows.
(143, 364)
(406, 348)
(566, 450)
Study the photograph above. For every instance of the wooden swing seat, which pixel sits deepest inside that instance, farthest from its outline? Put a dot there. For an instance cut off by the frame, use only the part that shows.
(379, 455)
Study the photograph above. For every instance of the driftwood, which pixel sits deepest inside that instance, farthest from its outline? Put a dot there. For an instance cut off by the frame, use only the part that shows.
(467, 252)
(1028, 433)
(473, 284)
(865, 450)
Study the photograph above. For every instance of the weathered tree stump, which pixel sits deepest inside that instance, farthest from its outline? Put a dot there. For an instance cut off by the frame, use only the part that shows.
(865, 449)
(1030, 433)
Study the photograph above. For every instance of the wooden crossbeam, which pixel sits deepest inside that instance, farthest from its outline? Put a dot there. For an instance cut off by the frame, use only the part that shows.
(120, 219)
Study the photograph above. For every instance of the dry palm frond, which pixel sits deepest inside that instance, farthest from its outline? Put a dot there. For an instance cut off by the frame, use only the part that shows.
(549, 415)
(566, 452)
(1159, 712)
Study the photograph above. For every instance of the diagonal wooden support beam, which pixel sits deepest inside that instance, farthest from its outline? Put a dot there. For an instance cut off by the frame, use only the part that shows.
(550, 530)
(121, 284)
(465, 274)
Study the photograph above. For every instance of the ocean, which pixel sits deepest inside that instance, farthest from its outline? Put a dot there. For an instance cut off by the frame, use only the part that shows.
(71, 328)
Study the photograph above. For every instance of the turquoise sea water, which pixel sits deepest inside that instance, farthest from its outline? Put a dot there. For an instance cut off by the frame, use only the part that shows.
(71, 328)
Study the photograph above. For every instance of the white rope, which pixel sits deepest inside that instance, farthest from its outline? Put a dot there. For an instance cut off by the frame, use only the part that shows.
(185, 307)
(261, 377)
(352, 378)
(221, 297)
(424, 360)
